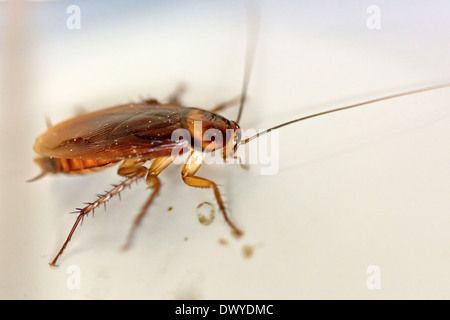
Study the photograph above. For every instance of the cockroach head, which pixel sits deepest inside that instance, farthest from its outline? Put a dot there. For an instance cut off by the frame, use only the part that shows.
(211, 132)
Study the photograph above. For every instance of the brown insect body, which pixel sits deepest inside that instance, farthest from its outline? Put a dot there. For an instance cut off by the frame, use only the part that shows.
(141, 131)
(71, 166)
(134, 134)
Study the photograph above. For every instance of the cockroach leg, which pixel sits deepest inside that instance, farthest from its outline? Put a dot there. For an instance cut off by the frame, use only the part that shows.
(151, 101)
(128, 168)
(158, 165)
(243, 165)
(226, 104)
(190, 168)
(47, 166)
(174, 98)
(39, 176)
(139, 173)
(48, 122)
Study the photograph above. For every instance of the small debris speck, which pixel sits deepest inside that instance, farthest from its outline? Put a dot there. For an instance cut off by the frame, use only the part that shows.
(247, 251)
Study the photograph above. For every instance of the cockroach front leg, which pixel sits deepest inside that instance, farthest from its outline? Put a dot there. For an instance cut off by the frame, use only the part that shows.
(244, 166)
(190, 168)
(139, 173)
(158, 165)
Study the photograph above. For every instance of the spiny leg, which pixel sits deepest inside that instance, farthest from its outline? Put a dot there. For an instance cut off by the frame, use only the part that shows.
(140, 173)
(158, 165)
(191, 166)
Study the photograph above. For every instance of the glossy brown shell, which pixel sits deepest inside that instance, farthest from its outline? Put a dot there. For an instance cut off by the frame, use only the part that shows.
(140, 130)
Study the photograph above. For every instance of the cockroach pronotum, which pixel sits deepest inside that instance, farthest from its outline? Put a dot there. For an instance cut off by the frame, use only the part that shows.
(136, 133)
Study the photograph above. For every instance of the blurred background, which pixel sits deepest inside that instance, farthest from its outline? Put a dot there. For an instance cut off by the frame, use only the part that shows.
(354, 192)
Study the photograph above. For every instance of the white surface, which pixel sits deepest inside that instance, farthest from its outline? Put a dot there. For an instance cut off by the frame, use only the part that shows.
(354, 189)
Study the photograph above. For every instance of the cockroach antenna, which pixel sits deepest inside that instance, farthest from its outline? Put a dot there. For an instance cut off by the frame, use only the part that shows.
(360, 104)
(252, 39)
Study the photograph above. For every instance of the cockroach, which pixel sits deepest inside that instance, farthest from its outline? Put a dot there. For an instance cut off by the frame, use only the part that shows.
(136, 133)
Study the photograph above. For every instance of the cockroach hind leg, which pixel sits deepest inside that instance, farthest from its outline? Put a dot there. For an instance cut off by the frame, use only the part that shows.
(82, 212)
(152, 180)
(39, 176)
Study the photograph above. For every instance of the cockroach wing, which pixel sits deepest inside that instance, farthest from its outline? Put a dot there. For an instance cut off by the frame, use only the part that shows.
(127, 131)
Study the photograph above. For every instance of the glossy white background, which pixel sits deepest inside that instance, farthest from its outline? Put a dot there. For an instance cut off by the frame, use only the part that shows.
(354, 189)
